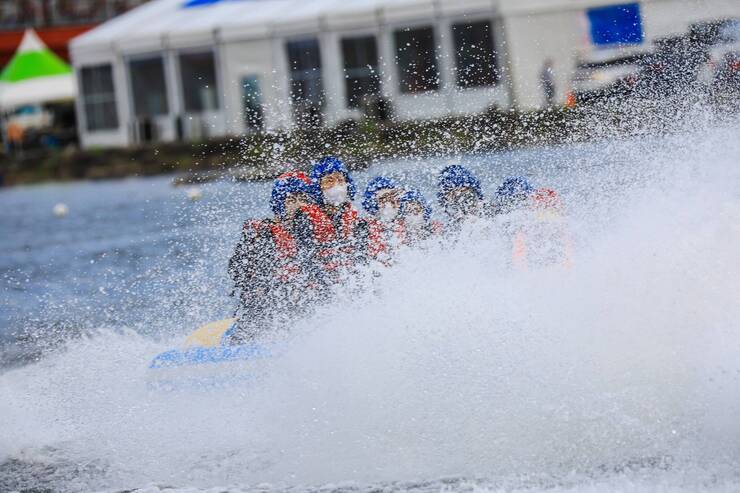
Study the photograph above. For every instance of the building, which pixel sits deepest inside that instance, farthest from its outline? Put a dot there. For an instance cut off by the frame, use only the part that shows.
(192, 69)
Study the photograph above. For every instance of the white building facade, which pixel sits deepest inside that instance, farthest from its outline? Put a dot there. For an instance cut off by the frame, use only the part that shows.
(193, 69)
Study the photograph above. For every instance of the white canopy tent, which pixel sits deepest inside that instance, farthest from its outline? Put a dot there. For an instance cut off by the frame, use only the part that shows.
(244, 44)
(171, 23)
(58, 88)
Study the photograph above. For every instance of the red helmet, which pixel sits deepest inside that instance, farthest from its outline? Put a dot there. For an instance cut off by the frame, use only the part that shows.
(300, 175)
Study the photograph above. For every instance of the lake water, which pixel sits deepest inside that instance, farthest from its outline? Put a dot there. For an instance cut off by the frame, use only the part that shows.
(453, 373)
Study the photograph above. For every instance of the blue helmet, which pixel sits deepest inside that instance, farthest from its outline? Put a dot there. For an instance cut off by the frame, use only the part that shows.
(456, 176)
(514, 186)
(288, 183)
(328, 165)
(414, 195)
(373, 187)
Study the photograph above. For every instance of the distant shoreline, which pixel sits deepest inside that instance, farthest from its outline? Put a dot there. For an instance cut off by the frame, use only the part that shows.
(264, 156)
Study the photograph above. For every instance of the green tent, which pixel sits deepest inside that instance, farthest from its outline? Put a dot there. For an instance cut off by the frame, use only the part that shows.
(35, 75)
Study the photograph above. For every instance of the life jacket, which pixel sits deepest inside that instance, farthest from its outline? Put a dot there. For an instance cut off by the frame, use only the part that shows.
(519, 250)
(428, 229)
(378, 237)
(285, 246)
(546, 239)
(325, 235)
(542, 244)
(349, 219)
(341, 251)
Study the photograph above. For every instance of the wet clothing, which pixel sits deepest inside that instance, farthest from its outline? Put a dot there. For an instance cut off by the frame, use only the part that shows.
(412, 236)
(351, 236)
(280, 268)
(383, 239)
(252, 268)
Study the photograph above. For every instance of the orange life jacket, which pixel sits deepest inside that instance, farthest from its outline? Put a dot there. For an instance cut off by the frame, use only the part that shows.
(521, 249)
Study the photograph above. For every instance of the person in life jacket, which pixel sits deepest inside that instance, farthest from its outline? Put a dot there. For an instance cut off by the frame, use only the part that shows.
(513, 214)
(275, 260)
(460, 195)
(415, 218)
(512, 195)
(548, 240)
(336, 192)
(382, 200)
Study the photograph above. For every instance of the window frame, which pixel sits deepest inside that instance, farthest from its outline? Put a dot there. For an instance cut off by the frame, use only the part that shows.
(430, 84)
(142, 58)
(100, 100)
(178, 56)
(489, 71)
(305, 74)
(255, 122)
(369, 72)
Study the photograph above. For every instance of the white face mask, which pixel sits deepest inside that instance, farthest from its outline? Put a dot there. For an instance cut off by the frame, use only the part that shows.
(387, 213)
(336, 195)
(414, 220)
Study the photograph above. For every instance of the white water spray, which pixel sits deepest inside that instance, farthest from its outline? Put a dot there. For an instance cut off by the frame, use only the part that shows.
(454, 364)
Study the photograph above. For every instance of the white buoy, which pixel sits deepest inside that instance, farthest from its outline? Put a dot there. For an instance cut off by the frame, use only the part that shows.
(194, 193)
(60, 209)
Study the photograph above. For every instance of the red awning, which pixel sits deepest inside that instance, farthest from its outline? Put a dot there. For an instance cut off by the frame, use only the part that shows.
(56, 38)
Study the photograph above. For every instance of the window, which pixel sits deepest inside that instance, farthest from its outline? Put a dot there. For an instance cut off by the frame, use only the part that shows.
(474, 54)
(306, 86)
(304, 58)
(252, 103)
(417, 62)
(199, 86)
(148, 87)
(360, 69)
(99, 97)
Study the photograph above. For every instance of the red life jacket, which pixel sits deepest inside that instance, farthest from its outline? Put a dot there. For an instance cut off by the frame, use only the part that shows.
(430, 228)
(323, 228)
(378, 236)
(340, 254)
(350, 218)
(287, 247)
(325, 235)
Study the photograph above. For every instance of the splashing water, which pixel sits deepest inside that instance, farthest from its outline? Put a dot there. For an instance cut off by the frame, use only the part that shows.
(620, 372)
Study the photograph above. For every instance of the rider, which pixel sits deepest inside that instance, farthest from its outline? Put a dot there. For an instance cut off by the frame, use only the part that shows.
(460, 195)
(548, 237)
(415, 218)
(336, 192)
(382, 200)
(511, 204)
(275, 260)
(512, 195)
